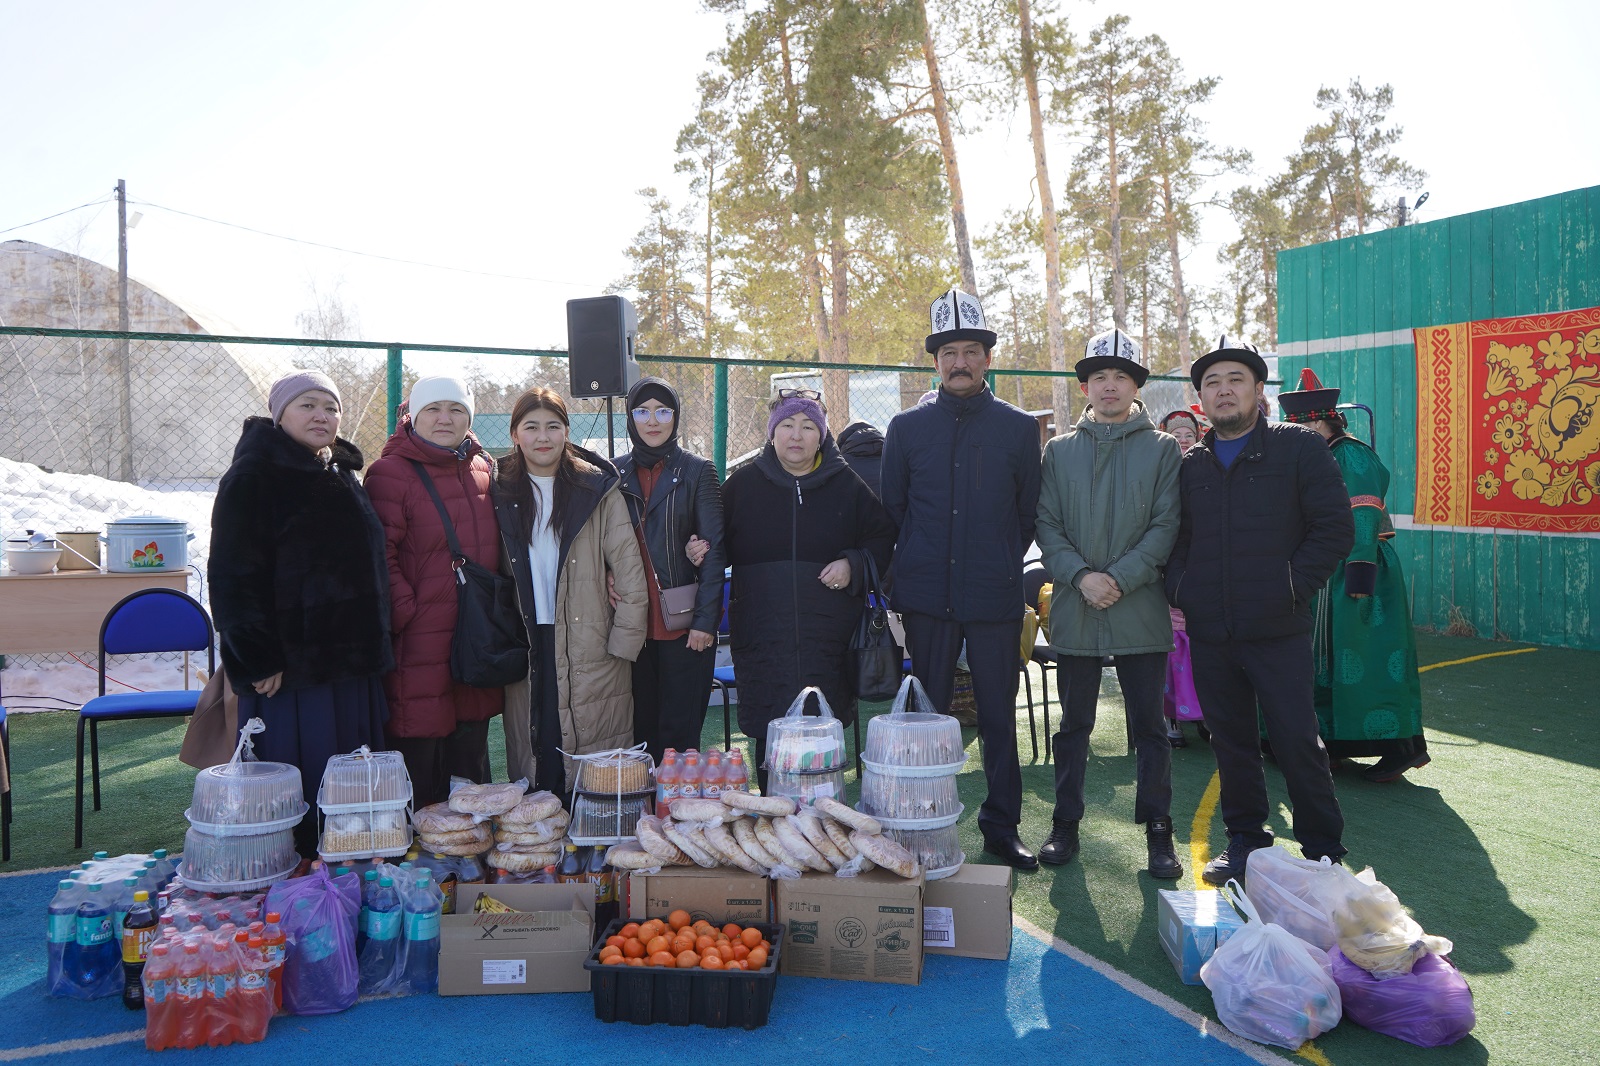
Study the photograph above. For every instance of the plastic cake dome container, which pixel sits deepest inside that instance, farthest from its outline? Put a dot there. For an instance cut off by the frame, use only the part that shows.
(237, 863)
(888, 794)
(915, 740)
(937, 850)
(256, 795)
(364, 780)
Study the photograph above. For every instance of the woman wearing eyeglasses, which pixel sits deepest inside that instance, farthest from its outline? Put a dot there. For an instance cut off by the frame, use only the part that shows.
(799, 525)
(674, 498)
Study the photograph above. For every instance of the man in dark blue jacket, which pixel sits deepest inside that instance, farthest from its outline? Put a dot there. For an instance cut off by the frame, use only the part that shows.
(1266, 519)
(961, 482)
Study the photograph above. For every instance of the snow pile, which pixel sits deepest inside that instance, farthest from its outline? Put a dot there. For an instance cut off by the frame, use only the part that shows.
(33, 685)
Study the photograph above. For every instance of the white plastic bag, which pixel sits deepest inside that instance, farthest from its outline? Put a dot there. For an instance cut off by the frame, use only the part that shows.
(1377, 934)
(1301, 895)
(1269, 985)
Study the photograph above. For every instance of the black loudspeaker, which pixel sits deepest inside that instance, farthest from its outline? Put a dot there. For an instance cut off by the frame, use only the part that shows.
(600, 337)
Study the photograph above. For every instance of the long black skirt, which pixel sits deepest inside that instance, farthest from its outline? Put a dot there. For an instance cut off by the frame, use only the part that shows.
(309, 725)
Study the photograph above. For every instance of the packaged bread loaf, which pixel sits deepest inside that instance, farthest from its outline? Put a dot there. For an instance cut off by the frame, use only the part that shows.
(886, 853)
(699, 810)
(690, 841)
(655, 842)
(458, 836)
(817, 837)
(630, 856)
(727, 848)
(486, 801)
(439, 818)
(534, 807)
(840, 837)
(849, 816)
(771, 806)
(518, 861)
(744, 833)
(798, 848)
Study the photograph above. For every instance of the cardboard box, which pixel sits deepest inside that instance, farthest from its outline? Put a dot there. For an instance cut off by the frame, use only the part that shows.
(1192, 925)
(541, 948)
(969, 913)
(719, 896)
(866, 928)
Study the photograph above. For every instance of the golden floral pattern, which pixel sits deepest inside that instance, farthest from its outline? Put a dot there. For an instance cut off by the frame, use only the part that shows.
(1508, 434)
(1489, 485)
(1557, 352)
(1528, 474)
(1510, 369)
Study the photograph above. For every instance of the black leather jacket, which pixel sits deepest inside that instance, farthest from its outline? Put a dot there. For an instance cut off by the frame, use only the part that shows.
(692, 506)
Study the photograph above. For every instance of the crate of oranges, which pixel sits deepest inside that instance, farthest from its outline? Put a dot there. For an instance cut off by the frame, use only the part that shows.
(683, 972)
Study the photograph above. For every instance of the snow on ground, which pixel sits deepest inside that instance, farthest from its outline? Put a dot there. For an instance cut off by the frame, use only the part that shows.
(31, 498)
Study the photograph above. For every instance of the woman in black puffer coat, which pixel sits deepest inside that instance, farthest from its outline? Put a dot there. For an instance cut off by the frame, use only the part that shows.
(798, 528)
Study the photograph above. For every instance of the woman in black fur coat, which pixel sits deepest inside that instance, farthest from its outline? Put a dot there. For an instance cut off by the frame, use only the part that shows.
(300, 586)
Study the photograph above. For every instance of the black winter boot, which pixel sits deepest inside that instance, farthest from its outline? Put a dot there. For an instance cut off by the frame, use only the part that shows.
(1164, 863)
(1062, 844)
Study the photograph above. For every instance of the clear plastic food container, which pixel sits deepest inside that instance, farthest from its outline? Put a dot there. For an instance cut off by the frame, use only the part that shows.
(359, 834)
(889, 794)
(256, 794)
(606, 819)
(616, 772)
(806, 788)
(362, 779)
(916, 739)
(937, 850)
(797, 743)
(237, 863)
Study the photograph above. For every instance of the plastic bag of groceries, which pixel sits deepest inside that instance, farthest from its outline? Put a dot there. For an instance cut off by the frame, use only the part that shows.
(1268, 984)
(318, 920)
(1431, 1006)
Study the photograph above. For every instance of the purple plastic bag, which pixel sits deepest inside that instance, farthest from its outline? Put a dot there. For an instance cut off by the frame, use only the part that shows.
(318, 913)
(1431, 1006)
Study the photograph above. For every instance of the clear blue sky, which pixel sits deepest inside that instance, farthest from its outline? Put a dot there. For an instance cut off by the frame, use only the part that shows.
(510, 137)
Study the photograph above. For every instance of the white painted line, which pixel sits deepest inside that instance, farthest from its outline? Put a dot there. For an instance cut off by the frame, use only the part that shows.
(1205, 1026)
(1393, 338)
(62, 1047)
(39, 870)
(1405, 521)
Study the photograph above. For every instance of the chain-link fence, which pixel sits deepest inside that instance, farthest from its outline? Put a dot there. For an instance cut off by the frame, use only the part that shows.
(97, 425)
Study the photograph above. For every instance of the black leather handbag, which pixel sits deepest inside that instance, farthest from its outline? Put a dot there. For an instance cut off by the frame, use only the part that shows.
(489, 648)
(875, 659)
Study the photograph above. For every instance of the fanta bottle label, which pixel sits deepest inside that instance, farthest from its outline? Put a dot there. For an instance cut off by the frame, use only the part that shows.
(63, 928)
(383, 925)
(94, 930)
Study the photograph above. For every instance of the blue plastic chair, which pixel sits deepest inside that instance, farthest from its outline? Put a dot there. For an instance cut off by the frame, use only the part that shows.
(150, 620)
(5, 797)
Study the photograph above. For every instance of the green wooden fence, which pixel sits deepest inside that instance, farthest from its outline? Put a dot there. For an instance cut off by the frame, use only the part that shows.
(1346, 309)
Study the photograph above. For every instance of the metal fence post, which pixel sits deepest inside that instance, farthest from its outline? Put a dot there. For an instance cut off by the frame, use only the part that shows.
(393, 387)
(719, 419)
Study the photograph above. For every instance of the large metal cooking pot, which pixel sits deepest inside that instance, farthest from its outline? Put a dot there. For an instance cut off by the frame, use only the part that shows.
(143, 543)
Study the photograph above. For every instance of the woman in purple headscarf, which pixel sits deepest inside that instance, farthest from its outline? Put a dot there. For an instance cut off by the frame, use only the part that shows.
(798, 526)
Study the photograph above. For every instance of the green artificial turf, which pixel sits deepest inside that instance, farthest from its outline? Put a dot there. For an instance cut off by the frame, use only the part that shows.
(1492, 845)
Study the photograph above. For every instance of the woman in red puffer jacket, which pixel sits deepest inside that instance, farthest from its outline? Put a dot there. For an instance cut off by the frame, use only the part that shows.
(438, 724)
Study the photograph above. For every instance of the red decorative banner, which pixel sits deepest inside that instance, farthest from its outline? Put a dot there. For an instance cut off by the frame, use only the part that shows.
(1508, 423)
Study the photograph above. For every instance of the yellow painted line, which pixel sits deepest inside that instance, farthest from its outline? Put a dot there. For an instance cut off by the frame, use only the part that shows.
(1200, 829)
(1475, 659)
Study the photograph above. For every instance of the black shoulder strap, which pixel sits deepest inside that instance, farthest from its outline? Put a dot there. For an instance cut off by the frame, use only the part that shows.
(444, 516)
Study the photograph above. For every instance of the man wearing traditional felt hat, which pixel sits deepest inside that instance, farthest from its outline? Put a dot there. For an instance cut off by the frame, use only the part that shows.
(1108, 516)
(960, 479)
(1266, 519)
(1368, 695)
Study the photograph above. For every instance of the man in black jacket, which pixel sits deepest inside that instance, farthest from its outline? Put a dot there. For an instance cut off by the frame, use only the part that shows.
(862, 447)
(961, 482)
(1266, 519)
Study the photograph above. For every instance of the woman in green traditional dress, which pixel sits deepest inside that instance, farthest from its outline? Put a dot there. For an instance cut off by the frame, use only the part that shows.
(1368, 696)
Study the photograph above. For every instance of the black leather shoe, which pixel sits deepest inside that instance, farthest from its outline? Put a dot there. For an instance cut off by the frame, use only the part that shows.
(1011, 851)
(1230, 865)
(1175, 735)
(1163, 859)
(1062, 844)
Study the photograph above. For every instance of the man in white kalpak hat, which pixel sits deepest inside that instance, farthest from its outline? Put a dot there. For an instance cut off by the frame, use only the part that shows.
(961, 482)
(1108, 517)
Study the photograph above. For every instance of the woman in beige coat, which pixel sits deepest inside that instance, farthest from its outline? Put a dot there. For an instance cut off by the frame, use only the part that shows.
(564, 527)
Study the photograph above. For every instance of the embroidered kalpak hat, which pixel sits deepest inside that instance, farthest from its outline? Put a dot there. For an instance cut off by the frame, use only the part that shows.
(1229, 350)
(957, 316)
(1112, 350)
(1311, 402)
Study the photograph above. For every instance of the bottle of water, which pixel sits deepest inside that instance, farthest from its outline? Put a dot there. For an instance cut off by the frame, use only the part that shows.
(60, 931)
(383, 938)
(93, 960)
(422, 908)
(121, 901)
(165, 867)
(369, 884)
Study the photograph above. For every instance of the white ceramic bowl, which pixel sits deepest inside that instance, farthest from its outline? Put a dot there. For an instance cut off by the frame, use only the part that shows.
(32, 560)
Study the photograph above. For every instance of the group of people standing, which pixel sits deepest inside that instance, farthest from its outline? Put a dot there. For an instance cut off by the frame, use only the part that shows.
(335, 596)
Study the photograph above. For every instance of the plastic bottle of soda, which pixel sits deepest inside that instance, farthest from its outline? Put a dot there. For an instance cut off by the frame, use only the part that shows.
(573, 868)
(711, 778)
(138, 928)
(91, 960)
(448, 874)
(222, 987)
(547, 876)
(668, 782)
(689, 777)
(604, 880)
(275, 943)
(422, 908)
(121, 899)
(189, 997)
(383, 938)
(61, 930)
(738, 775)
(158, 977)
(471, 871)
(255, 989)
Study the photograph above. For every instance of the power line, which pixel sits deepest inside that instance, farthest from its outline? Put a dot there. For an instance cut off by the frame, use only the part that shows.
(366, 255)
(58, 214)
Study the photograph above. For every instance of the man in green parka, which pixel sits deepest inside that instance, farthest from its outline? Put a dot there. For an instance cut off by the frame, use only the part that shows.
(1108, 517)
(1368, 694)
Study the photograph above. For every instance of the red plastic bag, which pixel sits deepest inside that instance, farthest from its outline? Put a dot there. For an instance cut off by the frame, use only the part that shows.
(1431, 1006)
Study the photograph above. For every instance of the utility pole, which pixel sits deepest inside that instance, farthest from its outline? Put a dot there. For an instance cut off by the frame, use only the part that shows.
(123, 360)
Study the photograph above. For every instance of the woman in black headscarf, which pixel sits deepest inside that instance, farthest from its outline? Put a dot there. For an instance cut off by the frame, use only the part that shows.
(674, 498)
